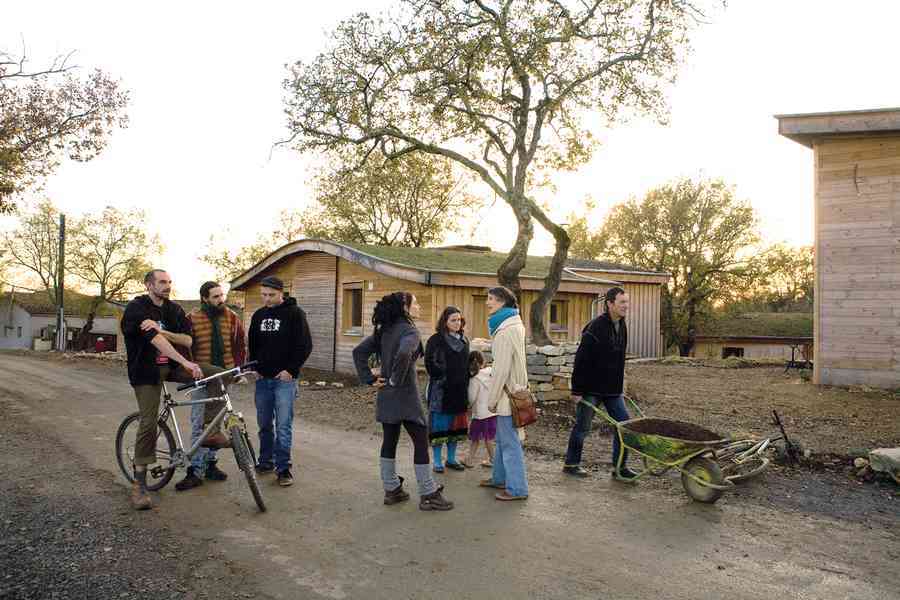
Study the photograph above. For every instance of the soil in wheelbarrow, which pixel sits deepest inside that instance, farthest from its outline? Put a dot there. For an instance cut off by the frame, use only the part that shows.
(674, 429)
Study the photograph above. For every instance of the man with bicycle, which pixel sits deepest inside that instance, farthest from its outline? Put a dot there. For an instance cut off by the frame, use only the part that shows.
(152, 326)
(218, 340)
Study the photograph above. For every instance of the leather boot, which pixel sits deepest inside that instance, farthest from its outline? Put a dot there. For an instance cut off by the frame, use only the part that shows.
(397, 495)
(140, 498)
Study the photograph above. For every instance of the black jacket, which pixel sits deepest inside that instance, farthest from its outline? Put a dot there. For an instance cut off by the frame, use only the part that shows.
(279, 339)
(600, 360)
(142, 366)
(448, 372)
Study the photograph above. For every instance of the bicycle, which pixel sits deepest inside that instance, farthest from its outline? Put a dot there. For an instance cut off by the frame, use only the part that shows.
(170, 453)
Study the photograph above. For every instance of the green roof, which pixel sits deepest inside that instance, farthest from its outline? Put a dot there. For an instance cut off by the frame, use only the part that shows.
(793, 324)
(473, 260)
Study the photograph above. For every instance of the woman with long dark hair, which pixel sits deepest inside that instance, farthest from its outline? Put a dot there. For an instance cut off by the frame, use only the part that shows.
(397, 344)
(508, 375)
(447, 363)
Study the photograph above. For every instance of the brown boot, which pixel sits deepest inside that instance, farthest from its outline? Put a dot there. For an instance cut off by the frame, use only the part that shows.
(216, 440)
(140, 499)
(397, 495)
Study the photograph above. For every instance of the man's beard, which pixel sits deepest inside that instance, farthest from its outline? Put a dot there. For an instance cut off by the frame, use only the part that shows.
(215, 310)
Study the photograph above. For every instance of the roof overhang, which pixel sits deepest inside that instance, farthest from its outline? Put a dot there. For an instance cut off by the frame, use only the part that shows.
(580, 282)
(755, 339)
(808, 128)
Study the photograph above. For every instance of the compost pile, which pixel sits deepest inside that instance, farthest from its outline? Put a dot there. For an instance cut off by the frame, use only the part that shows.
(674, 429)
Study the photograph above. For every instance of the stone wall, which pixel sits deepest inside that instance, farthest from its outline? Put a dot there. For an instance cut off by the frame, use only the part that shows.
(549, 367)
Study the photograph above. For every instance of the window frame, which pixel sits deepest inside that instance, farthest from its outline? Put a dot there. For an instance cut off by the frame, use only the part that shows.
(348, 291)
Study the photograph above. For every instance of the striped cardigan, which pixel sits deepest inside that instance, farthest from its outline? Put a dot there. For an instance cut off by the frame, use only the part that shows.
(233, 339)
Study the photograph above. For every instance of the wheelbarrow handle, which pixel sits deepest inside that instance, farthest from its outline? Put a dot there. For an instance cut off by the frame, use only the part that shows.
(605, 414)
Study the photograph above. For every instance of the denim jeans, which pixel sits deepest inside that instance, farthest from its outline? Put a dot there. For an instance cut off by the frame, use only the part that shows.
(615, 406)
(275, 416)
(509, 458)
(204, 456)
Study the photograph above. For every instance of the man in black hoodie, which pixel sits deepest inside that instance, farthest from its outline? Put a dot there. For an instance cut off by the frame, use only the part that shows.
(599, 377)
(280, 341)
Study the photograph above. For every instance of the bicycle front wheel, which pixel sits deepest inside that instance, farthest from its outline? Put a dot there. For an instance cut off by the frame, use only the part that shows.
(242, 455)
(158, 474)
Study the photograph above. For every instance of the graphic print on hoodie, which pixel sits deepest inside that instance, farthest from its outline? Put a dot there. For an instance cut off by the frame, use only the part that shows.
(279, 339)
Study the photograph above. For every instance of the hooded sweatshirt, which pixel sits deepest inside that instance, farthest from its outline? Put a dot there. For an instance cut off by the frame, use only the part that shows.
(279, 339)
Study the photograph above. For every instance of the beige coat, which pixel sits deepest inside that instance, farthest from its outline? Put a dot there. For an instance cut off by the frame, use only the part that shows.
(508, 368)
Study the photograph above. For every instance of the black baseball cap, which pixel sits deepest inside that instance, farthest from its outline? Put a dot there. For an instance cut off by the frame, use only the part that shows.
(272, 282)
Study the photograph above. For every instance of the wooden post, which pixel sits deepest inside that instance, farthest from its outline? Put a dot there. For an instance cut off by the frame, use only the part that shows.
(60, 287)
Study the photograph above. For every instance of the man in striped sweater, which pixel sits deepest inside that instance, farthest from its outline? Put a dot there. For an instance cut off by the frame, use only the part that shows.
(218, 340)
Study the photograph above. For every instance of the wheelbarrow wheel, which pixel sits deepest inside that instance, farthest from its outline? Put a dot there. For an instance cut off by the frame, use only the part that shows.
(704, 469)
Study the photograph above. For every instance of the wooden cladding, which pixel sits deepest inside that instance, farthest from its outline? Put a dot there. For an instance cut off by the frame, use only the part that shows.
(857, 297)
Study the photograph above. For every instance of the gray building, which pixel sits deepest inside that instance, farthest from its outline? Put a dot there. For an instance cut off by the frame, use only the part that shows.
(28, 319)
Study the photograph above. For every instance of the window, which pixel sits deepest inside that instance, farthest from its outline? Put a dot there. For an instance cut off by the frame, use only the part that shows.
(18, 332)
(352, 314)
(729, 351)
(559, 315)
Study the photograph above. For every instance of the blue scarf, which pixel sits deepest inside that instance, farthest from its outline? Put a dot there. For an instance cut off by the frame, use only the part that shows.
(496, 319)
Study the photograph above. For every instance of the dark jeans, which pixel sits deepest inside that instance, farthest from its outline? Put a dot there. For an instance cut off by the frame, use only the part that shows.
(417, 433)
(275, 417)
(615, 406)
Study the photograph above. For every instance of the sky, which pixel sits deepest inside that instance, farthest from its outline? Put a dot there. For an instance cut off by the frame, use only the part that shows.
(205, 81)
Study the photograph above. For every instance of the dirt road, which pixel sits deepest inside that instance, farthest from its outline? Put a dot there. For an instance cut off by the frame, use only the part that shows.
(329, 536)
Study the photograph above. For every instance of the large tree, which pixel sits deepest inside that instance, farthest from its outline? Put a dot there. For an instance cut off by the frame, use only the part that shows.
(504, 88)
(697, 231)
(411, 201)
(110, 252)
(49, 113)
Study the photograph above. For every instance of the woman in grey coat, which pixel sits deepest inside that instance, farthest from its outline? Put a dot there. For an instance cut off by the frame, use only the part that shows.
(397, 344)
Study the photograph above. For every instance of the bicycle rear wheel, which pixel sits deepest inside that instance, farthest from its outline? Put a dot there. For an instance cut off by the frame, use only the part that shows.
(158, 474)
(245, 462)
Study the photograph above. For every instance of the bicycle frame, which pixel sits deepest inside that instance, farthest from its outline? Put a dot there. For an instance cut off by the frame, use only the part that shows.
(168, 409)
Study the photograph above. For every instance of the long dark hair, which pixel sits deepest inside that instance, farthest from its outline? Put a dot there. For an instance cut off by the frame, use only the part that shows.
(389, 310)
(610, 296)
(448, 312)
(504, 294)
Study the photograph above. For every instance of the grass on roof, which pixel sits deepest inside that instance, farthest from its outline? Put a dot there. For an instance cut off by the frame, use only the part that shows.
(793, 324)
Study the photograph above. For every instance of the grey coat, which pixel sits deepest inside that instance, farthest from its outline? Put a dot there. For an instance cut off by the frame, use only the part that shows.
(401, 346)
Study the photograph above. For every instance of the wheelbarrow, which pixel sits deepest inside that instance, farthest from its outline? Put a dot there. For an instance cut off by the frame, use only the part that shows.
(665, 444)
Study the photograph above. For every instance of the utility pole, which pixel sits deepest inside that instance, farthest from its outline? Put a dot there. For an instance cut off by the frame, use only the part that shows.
(60, 287)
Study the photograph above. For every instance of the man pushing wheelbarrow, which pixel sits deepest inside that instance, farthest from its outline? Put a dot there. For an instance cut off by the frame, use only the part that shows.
(598, 378)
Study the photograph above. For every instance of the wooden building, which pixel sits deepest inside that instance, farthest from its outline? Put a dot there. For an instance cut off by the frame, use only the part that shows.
(337, 284)
(856, 157)
(785, 336)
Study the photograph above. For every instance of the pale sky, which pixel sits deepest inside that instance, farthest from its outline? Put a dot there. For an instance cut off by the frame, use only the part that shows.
(206, 108)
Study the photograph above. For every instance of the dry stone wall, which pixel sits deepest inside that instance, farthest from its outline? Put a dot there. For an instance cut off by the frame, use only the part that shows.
(549, 367)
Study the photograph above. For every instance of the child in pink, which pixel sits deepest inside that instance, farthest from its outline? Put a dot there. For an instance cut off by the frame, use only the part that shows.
(483, 426)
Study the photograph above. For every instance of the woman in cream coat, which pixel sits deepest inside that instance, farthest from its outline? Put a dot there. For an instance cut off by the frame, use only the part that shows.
(508, 373)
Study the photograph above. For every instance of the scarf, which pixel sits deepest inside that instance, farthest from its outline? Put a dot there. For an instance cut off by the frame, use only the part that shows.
(496, 319)
(456, 342)
(217, 346)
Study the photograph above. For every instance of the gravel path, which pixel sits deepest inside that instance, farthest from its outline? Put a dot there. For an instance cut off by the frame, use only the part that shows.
(66, 533)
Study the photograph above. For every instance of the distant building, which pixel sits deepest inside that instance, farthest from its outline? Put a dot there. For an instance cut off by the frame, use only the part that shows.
(27, 317)
(757, 335)
(856, 164)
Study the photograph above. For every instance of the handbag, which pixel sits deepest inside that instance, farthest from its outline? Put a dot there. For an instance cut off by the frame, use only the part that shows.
(522, 406)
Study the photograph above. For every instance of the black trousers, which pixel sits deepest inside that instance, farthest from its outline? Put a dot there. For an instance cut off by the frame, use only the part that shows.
(417, 433)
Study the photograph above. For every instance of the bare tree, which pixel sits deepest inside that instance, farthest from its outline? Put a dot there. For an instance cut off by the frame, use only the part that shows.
(502, 88)
(47, 114)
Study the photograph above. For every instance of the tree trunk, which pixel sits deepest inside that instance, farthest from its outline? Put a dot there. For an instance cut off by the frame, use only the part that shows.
(508, 273)
(539, 334)
(82, 341)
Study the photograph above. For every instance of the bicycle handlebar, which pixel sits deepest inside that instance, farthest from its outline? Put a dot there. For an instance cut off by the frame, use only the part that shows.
(202, 382)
